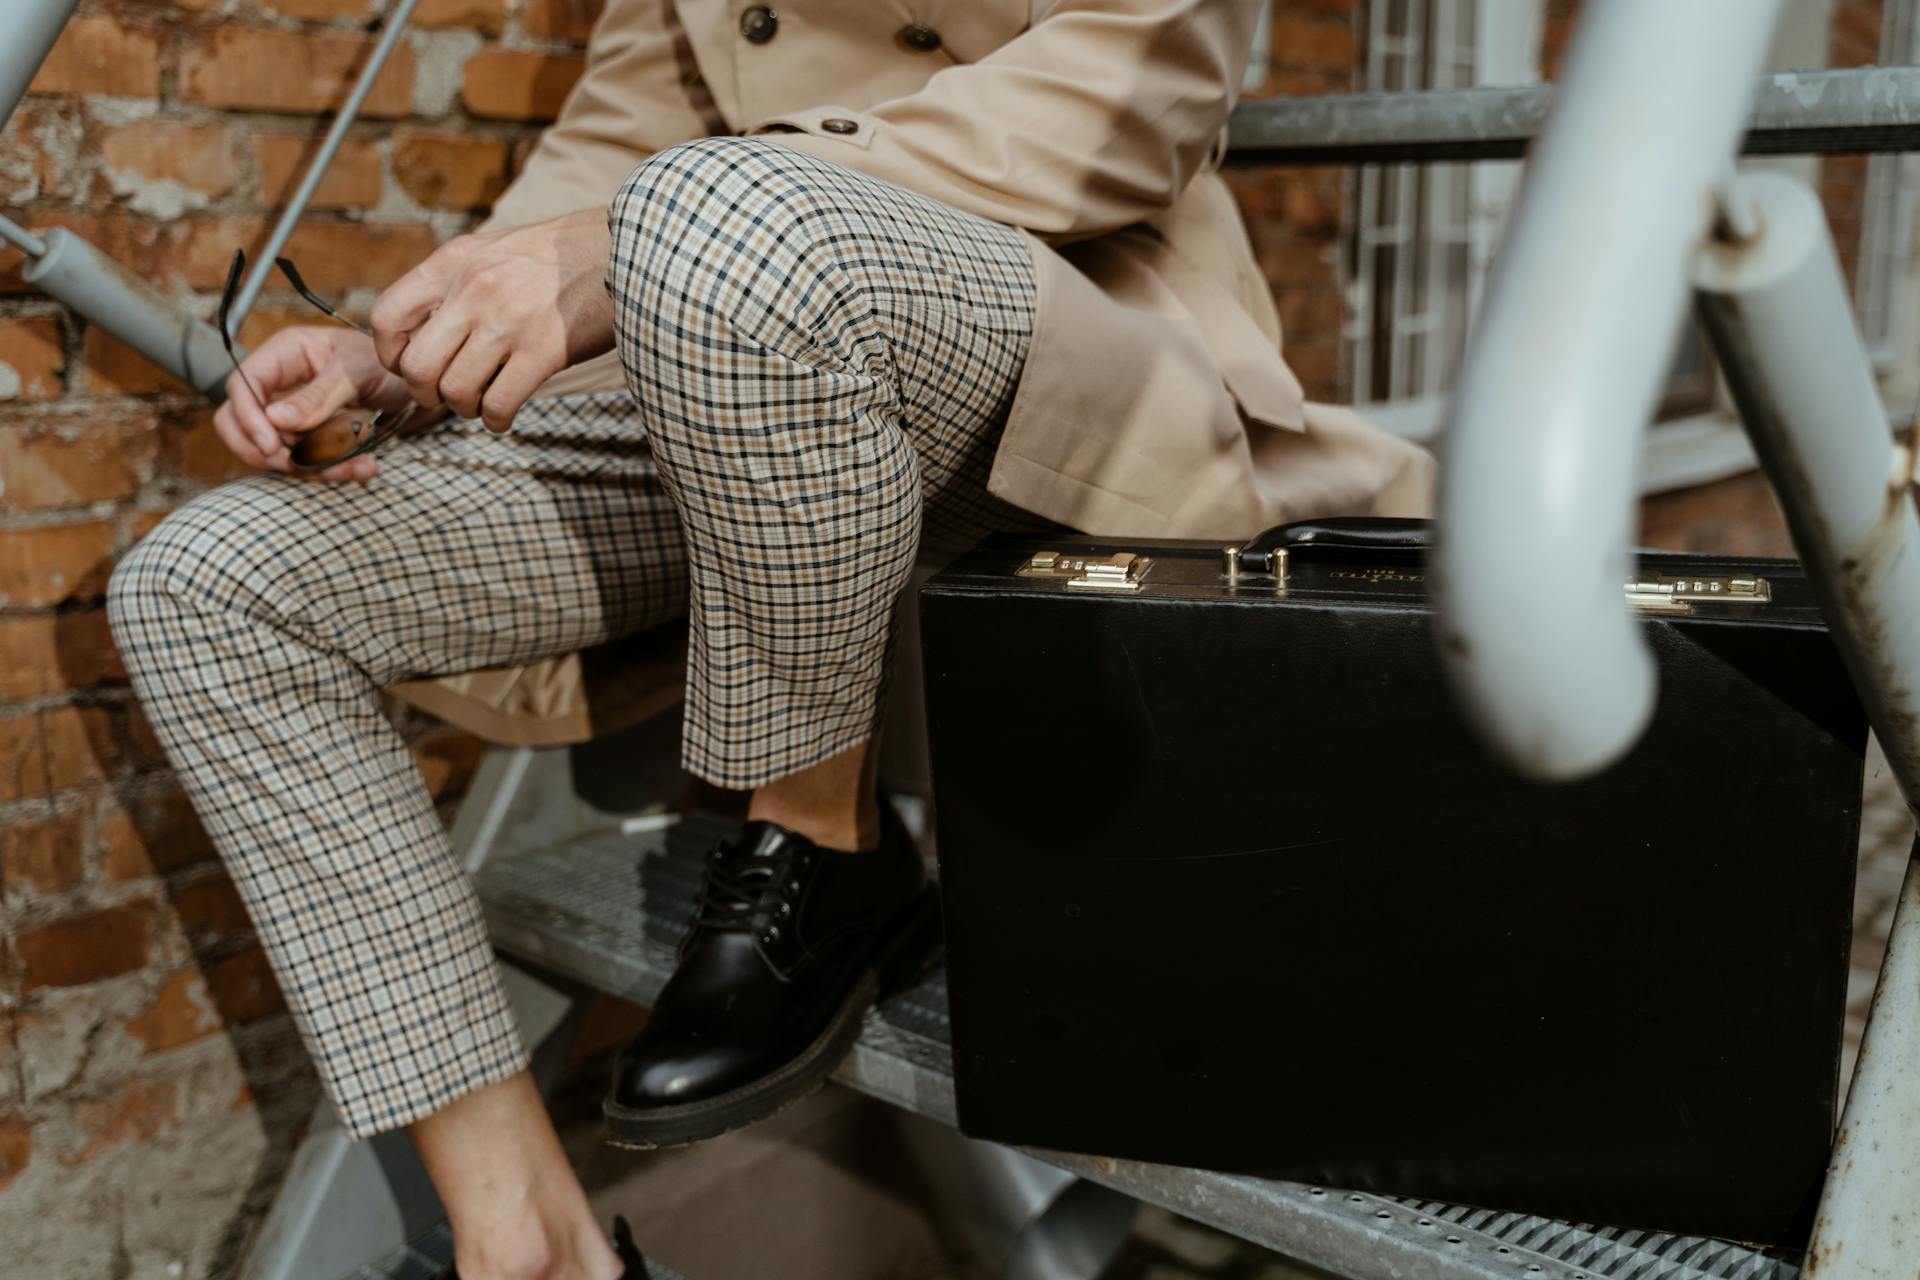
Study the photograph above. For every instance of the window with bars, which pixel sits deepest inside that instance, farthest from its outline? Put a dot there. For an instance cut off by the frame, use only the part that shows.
(1421, 236)
(1419, 239)
(1884, 282)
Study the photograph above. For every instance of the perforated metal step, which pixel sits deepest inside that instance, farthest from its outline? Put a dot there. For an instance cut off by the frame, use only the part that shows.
(427, 1257)
(611, 910)
(422, 1259)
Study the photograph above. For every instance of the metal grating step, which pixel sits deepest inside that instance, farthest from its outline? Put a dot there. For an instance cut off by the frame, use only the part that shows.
(610, 910)
(422, 1259)
(425, 1258)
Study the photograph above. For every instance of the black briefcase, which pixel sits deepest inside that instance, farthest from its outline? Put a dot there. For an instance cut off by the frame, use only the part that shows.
(1230, 884)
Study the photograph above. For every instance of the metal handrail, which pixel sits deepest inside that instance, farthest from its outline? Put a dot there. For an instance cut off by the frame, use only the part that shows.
(30, 34)
(1563, 371)
(1860, 109)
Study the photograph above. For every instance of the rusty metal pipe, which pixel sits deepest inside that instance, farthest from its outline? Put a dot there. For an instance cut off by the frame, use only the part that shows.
(1777, 308)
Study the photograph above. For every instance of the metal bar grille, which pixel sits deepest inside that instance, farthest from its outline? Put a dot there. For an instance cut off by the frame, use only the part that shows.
(1887, 228)
(1409, 257)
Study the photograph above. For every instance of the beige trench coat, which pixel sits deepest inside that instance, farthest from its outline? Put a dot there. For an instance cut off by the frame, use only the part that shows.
(1155, 401)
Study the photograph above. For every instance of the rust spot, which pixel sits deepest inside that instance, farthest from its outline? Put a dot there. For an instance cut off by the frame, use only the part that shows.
(1822, 1252)
(1906, 458)
(1862, 565)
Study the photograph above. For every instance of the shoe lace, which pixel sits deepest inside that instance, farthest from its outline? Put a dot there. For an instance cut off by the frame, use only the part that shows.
(730, 896)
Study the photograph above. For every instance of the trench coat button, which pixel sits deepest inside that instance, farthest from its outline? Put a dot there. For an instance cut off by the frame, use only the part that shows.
(838, 124)
(920, 38)
(759, 24)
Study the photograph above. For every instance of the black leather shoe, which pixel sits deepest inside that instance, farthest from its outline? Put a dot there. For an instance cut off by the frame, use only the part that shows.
(789, 948)
(636, 1266)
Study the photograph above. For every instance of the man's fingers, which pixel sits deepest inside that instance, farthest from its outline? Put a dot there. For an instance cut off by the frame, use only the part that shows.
(289, 358)
(430, 350)
(407, 303)
(403, 308)
(512, 387)
(467, 378)
(310, 405)
(238, 439)
(248, 414)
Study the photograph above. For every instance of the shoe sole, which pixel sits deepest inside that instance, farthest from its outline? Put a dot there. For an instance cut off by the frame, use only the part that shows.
(911, 954)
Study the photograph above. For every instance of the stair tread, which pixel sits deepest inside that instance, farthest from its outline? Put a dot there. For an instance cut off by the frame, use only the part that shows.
(610, 910)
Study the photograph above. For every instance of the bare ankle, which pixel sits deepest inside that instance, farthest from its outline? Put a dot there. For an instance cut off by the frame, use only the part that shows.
(503, 1255)
(831, 803)
(518, 1211)
(541, 1251)
(840, 832)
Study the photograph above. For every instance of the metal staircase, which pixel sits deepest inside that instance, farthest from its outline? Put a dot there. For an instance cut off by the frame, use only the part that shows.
(570, 893)
(609, 911)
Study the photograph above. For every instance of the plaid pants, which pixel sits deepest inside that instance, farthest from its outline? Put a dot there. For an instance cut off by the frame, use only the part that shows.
(818, 366)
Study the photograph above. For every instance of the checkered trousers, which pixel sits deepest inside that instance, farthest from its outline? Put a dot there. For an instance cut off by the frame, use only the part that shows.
(819, 366)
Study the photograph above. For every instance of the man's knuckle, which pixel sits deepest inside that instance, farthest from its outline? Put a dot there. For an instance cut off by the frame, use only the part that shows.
(499, 405)
(413, 365)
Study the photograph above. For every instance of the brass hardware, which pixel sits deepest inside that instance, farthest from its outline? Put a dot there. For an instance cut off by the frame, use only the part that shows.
(1230, 562)
(1122, 571)
(1665, 594)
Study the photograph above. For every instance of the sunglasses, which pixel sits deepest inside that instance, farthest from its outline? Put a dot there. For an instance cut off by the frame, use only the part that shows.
(347, 434)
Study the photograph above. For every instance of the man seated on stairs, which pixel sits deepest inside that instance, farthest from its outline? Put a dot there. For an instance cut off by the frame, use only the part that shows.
(784, 299)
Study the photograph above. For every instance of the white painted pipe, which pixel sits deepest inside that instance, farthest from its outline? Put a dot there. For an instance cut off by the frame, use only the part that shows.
(1776, 305)
(1865, 1228)
(28, 29)
(1564, 369)
(1777, 308)
(21, 238)
(103, 292)
(310, 182)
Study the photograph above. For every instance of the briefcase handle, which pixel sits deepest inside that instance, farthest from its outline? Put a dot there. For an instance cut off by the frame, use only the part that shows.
(1359, 537)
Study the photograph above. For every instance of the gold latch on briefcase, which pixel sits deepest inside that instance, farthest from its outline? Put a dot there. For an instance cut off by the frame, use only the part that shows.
(1122, 571)
(1664, 594)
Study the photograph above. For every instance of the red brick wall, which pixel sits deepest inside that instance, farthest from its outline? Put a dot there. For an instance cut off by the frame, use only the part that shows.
(150, 1081)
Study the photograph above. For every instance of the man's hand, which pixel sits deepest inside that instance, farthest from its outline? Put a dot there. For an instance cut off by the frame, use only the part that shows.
(488, 318)
(307, 374)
